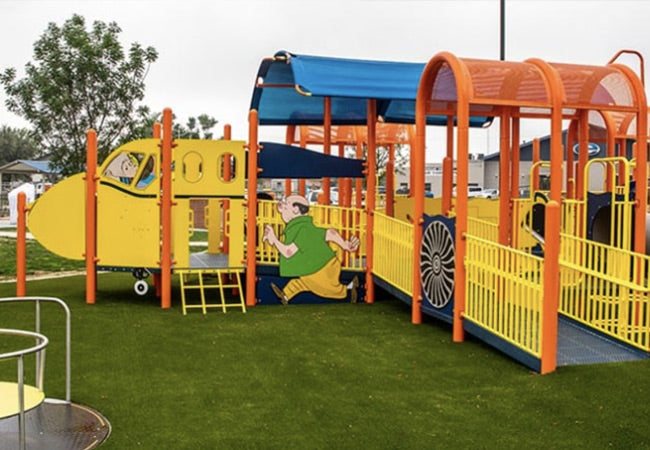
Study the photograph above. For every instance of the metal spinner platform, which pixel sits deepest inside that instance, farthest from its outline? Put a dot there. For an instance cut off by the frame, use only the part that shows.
(56, 425)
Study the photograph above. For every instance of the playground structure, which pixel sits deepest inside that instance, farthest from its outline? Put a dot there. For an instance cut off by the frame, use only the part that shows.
(504, 271)
(25, 414)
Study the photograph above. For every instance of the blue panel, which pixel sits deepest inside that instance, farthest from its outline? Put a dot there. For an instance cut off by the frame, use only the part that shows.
(506, 347)
(286, 161)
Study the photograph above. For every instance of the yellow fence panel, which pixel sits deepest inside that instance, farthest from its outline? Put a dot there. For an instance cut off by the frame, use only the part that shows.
(347, 221)
(505, 292)
(606, 288)
(393, 252)
(483, 229)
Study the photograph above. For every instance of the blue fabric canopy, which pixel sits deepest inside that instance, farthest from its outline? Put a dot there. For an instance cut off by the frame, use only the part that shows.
(290, 90)
(274, 158)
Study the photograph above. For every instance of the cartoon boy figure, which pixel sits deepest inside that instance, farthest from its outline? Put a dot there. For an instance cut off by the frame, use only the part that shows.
(123, 167)
(306, 255)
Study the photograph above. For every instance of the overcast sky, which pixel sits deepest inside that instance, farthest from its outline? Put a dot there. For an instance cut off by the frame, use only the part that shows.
(210, 50)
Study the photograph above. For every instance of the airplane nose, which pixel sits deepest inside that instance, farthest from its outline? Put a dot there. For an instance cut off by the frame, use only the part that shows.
(56, 218)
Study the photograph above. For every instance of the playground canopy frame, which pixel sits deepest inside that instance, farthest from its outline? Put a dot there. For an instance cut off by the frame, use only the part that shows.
(458, 87)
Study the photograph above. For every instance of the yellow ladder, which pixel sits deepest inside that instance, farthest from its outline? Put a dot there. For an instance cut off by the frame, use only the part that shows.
(201, 284)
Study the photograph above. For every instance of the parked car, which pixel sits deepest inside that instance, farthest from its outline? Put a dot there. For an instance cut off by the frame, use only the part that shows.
(489, 193)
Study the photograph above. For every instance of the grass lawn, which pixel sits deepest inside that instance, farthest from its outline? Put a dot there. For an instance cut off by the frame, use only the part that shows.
(318, 376)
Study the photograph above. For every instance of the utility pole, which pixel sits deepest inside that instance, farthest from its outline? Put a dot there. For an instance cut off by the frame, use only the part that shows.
(502, 54)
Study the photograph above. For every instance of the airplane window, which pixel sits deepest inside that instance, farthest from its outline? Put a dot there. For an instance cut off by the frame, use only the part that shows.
(192, 167)
(148, 173)
(124, 167)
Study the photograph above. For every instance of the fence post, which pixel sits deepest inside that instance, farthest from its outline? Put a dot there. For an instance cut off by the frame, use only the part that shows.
(551, 288)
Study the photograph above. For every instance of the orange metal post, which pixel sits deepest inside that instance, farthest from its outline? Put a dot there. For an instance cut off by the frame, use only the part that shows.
(302, 188)
(21, 246)
(327, 144)
(289, 140)
(251, 238)
(534, 183)
(157, 134)
(448, 169)
(227, 176)
(417, 192)
(91, 216)
(358, 185)
(621, 151)
(345, 184)
(552, 223)
(570, 164)
(583, 155)
(370, 197)
(390, 181)
(504, 178)
(166, 204)
(551, 287)
(514, 166)
(461, 215)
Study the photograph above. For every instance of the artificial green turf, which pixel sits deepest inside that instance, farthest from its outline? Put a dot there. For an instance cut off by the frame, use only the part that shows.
(39, 259)
(320, 376)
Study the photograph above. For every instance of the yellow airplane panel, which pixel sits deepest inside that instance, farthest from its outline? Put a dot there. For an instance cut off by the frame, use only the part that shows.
(57, 218)
(128, 227)
(201, 168)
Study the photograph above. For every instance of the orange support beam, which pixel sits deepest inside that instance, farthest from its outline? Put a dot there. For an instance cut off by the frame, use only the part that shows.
(327, 145)
(534, 183)
(583, 155)
(91, 216)
(552, 223)
(358, 183)
(251, 234)
(570, 163)
(166, 204)
(289, 140)
(514, 166)
(21, 246)
(504, 178)
(448, 169)
(227, 176)
(390, 181)
(370, 196)
(157, 134)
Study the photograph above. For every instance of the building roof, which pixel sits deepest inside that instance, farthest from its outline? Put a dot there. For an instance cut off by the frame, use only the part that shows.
(28, 166)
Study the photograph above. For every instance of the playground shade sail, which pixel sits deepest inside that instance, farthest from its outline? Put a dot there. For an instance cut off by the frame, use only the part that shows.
(290, 90)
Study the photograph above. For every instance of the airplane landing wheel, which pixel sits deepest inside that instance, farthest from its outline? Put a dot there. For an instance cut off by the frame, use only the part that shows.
(141, 287)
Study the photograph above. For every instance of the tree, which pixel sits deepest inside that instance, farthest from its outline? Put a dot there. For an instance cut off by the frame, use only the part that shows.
(16, 143)
(381, 160)
(199, 127)
(79, 79)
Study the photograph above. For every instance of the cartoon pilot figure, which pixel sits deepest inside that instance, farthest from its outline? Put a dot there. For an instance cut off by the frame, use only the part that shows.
(306, 256)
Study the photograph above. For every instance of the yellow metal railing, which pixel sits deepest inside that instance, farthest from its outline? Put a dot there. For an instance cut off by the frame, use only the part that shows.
(483, 229)
(505, 292)
(347, 221)
(393, 252)
(606, 288)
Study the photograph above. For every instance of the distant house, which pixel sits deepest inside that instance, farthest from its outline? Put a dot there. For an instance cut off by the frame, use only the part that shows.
(23, 170)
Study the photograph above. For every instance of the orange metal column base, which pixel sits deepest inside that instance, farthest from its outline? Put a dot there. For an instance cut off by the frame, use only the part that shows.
(21, 247)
